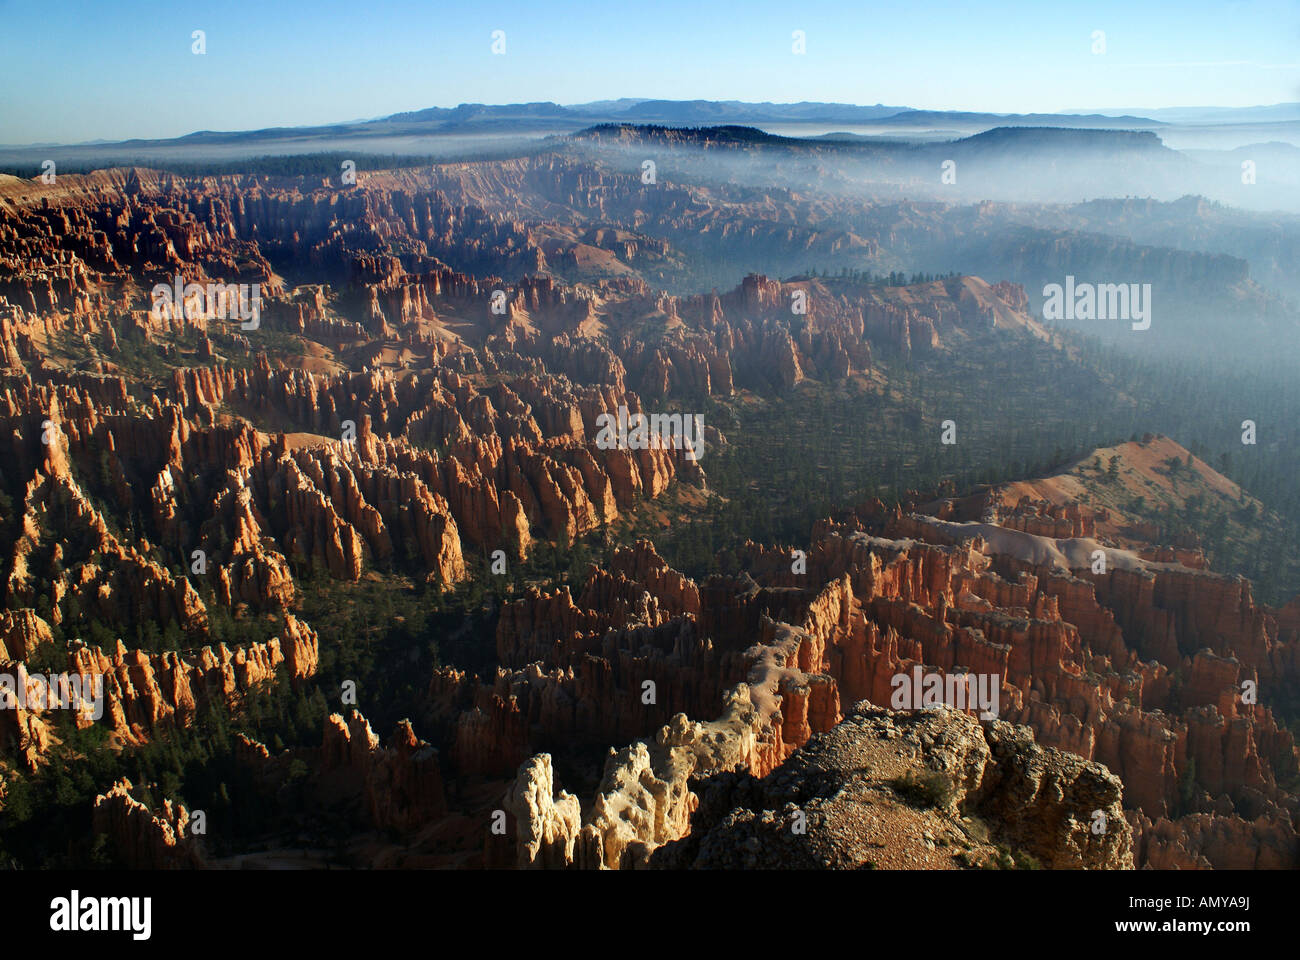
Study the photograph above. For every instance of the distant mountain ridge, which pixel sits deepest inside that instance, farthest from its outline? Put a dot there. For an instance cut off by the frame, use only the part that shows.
(737, 111)
(1264, 113)
(547, 115)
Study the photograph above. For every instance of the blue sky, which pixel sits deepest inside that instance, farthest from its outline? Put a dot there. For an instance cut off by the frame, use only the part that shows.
(82, 70)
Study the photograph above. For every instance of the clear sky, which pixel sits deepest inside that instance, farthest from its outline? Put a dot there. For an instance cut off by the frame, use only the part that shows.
(113, 69)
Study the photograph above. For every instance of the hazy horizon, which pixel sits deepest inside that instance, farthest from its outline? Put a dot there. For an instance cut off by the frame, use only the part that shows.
(1117, 112)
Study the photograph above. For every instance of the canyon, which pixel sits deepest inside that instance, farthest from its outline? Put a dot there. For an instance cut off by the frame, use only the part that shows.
(204, 515)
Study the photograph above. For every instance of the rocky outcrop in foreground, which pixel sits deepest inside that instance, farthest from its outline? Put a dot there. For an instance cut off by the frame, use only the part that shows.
(910, 790)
